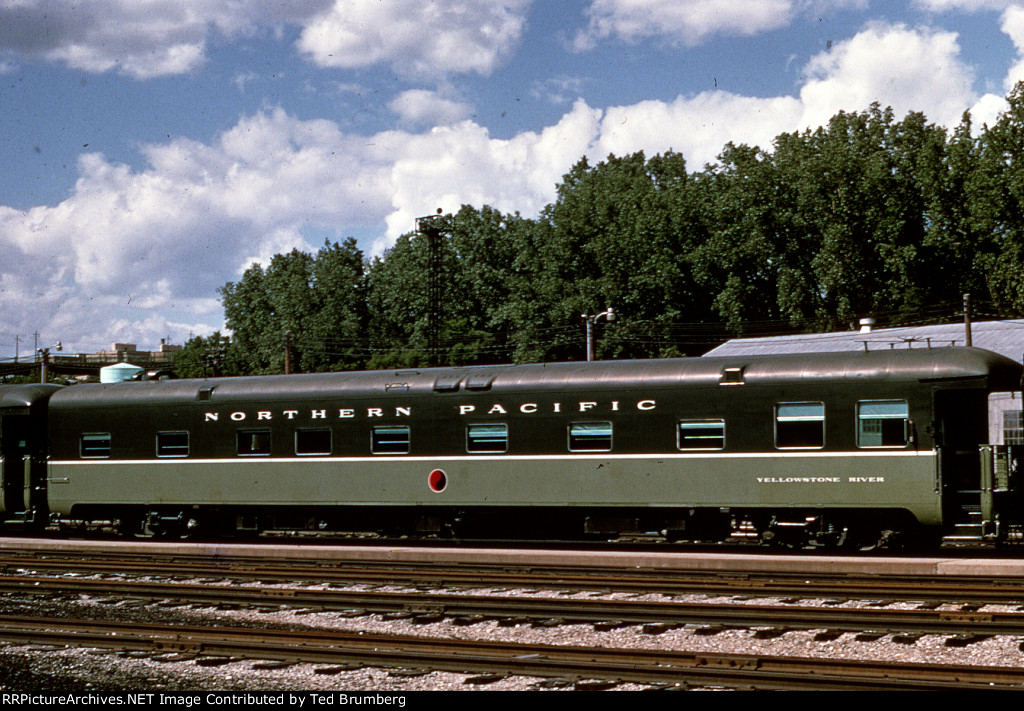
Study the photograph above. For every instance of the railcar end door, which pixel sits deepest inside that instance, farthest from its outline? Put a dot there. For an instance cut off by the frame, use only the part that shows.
(15, 451)
(961, 428)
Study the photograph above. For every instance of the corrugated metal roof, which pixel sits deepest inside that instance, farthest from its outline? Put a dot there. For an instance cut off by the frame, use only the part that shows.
(1003, 337)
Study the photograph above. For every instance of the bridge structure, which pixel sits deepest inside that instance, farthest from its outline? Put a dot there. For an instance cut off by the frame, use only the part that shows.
(84, 364)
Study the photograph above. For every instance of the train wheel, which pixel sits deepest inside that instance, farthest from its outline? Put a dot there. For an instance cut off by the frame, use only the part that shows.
(858, 539)
(131, 527)
(791, 535)
(794, 539)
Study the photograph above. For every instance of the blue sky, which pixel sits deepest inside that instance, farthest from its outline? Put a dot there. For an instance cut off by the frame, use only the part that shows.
(152, 149)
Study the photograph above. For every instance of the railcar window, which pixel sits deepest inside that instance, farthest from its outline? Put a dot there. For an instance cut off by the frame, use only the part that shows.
(172, 444)
(314, 441)
(882, 423)
(487, 438)
(390, 440)
(800, 425)
(253, 443)
(95, 445)
(701, 434)
(590, 437)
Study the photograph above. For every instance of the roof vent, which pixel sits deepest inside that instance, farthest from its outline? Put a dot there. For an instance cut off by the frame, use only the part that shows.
(732, 375)
(866, 325)
(479, 381)
(447, 383)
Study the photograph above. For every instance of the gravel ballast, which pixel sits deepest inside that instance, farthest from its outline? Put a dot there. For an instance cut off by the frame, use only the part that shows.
(25, 668)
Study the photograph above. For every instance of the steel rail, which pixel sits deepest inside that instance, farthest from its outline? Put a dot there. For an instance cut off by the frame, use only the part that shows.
(433, 605)
(963, 589)
(624, 665)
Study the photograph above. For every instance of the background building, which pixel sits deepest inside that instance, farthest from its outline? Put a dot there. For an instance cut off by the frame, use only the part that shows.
(1003, 337)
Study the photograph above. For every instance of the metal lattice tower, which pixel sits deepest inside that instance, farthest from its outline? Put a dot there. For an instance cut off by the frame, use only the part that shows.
(434, 227)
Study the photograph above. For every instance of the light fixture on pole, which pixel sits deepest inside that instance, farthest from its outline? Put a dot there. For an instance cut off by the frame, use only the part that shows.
(608, 316)
(43, 356)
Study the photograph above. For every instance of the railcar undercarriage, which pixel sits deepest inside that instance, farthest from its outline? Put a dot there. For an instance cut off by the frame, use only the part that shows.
(832, 529)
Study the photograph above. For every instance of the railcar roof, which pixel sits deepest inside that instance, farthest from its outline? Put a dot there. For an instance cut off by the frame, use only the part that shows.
(892, 366)
(14, 397)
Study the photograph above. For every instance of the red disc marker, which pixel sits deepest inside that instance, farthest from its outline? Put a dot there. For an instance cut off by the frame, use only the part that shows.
(437, 480)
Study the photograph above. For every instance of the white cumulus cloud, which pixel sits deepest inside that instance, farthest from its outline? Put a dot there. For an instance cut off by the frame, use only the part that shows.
(170, 235)
(907, 69)
(146, 248)
(687, 22)
(986, 108)
(416, 37)
(966, 5)
(151, 38)
(422, 106)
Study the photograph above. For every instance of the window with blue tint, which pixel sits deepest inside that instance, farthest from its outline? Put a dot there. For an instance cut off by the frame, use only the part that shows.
(487, 438)
(387, 439)
(95, 445)
(590, 437)
(701, 434)
(172, 444)
(882, 423)
(800, 425)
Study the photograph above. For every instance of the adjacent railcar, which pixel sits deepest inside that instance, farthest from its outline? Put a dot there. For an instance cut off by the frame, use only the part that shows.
(829, 448)
(24, 452)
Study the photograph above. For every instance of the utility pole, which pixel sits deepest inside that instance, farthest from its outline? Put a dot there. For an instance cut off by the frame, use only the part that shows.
(287, 352)
(967, 320)
(213, 358)
(44, 361)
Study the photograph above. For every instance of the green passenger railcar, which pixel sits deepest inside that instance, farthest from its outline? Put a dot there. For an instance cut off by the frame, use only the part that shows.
(858, 448)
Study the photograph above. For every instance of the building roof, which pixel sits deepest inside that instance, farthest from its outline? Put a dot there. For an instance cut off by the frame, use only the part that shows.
(1003, 337)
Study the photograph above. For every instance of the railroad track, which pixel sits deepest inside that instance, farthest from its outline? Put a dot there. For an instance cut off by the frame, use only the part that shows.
(474, 656)
(962, 627)
(119, 580)
(975, 590)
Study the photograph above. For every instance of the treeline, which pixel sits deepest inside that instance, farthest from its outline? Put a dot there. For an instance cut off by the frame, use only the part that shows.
(865, 216)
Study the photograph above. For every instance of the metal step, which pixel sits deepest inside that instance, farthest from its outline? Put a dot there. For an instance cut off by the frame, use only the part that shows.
(17, 519)
(966, 532)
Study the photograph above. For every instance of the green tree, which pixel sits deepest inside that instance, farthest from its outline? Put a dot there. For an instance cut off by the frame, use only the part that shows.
(756, 260)
(333, 336)
(474, 276)
(315, 304)
(866, 215)
(836, 223)
(620, 234)
(208, 356)
(996, 190)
